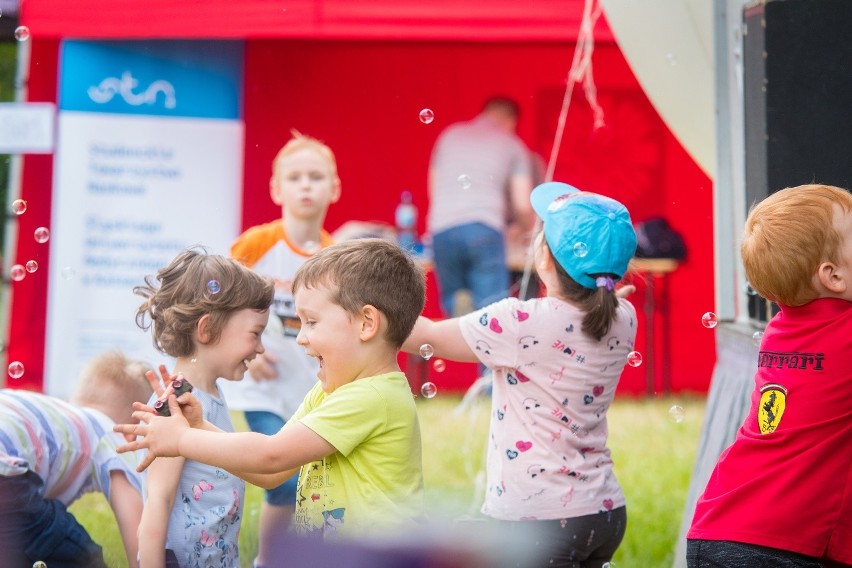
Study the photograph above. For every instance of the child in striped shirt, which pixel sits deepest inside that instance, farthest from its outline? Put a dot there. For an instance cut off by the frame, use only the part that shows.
(53, 451)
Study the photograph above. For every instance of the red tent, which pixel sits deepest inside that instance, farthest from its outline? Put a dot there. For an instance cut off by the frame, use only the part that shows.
(356, 74)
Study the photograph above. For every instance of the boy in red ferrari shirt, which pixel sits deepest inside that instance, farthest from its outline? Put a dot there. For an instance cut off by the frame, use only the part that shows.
(781, 494)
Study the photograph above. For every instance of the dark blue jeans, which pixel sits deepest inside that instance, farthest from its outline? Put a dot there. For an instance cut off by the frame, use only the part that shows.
(470, 257)
(33, 528)
(727, 554)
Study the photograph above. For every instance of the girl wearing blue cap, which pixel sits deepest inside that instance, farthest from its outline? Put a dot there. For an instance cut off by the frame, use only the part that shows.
(556, 362)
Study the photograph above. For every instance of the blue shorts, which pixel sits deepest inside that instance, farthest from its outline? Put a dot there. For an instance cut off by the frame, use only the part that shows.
(269, 423)
(33, 528)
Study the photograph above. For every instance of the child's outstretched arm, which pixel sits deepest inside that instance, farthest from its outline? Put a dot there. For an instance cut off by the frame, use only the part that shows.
(245, 452)
(444, 336)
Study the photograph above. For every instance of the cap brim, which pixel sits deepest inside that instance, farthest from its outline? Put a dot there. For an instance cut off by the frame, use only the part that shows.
(544, 194)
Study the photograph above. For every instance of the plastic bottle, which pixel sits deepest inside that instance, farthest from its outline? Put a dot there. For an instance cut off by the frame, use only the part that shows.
(406, 222)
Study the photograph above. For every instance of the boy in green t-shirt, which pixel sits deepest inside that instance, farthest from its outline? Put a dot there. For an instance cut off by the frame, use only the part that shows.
(355, 437)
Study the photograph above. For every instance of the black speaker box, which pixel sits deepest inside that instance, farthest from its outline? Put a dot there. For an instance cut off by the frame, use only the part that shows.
(797, 81)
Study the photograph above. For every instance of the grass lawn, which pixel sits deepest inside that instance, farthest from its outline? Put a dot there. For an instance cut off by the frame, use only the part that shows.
(653, 454)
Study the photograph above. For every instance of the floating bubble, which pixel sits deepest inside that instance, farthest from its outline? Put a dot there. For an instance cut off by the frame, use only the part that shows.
(749, 290)
(68, 273)
(19, 207)
(41, 235)
(439, 365)
(17, 272)
(428, 390)
(581, 249)
(465, 181)
(16, 369)
(671, 58)
(756, 338)
(634, 358)
(40, 564)
(609, 565)
(214, 287)
(426, 351)
(311, 247)
(427, 116)
(677, 414)
(22, 33)
(32, 266)
(709, 320)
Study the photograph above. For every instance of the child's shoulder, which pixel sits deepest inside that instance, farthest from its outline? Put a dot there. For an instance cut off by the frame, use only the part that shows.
(253, 243)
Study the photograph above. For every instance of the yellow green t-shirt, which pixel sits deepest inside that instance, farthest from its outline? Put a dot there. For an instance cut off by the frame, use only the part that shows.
(374, 481)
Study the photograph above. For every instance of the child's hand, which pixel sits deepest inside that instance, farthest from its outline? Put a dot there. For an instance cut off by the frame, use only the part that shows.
(625, 291)
(262, 367)
(160, 435)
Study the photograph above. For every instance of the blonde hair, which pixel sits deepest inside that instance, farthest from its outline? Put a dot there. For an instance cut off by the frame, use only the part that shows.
(112, 382)
(300, 142)
(787, 236)
(195, 284)
(372, 272)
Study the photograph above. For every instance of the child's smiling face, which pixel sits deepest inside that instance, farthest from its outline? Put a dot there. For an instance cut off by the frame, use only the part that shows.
(329, 333)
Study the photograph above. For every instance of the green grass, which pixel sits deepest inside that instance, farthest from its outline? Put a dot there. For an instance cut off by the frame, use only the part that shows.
(653, 457)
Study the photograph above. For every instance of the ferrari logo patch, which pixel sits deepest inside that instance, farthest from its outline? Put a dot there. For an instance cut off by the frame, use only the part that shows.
(773, 400)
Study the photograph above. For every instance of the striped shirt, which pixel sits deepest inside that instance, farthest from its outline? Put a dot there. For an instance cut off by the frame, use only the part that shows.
(71, 448)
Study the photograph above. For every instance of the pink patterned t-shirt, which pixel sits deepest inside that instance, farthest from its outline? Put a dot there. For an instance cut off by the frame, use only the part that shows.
(553, 384)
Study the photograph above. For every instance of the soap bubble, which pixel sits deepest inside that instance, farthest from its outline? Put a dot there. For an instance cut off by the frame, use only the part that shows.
(17, 272)
(677, 414)
(749, 290)
(427, 116)
(311, 247)
(709, 320)
(756, 338)
(634, 358)
(19, 207)
(68, 273)
(22, 33)
(39, 564)
(581, 249)
(465, 181)
(439, 365)
(426, 351)
(428, 390)
(32, 266)
(214, 287)
(41, 235)
(16, 369)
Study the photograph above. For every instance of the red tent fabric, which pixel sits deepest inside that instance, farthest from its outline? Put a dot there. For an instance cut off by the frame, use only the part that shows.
(469, 20)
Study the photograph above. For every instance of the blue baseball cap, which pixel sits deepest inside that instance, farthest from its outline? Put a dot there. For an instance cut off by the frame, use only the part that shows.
(587, 233)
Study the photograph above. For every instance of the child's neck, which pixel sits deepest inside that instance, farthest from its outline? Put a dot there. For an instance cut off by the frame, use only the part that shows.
(198, 376)
(301, 231)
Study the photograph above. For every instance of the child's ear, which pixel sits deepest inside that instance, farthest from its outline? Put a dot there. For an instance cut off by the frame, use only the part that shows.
(274, 191)
(371, 322)
(335, 194)
(831, 278)
(201, 329)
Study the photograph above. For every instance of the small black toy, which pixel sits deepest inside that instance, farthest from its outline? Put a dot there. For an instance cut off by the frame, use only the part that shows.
(177, 387)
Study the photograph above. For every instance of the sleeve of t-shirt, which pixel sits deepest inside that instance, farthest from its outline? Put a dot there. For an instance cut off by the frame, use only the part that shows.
(521, 160)
(105, 460)
(251, 245)
(348, 417)
(492, 333)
